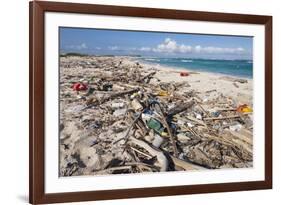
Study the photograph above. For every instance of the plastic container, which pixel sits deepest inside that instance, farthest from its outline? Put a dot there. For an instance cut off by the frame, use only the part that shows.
(155, 125)
(117, 105)
(158, 140)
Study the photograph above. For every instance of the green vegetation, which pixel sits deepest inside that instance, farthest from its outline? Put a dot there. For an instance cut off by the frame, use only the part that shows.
(72, 54)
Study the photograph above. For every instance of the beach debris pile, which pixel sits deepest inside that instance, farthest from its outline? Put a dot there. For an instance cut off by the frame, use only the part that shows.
(118, 118)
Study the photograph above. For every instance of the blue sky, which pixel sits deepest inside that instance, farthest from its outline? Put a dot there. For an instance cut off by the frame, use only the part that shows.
(154, 44)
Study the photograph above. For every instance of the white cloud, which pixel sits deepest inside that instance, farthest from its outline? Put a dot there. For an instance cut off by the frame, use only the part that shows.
(198, 48)
(82, 46)
(240, 49)
(184, 49)
(168, 46)
(171, 46)
(133, 49)
(78, 47)
(219, 50)
(145, 49)
(113, 48)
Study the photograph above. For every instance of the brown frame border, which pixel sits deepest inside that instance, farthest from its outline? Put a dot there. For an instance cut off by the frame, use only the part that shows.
(36, 101)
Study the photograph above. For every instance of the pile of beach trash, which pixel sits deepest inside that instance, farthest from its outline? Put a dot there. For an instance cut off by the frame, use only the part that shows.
(118, 118)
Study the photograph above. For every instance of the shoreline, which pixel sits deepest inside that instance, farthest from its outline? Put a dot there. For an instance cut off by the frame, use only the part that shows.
(139, 59)
(199, 80)
(161, 66)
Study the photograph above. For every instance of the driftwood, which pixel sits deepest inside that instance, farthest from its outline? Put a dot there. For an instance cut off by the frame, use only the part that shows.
(241, 140)
(200, 106)
(111, 97)
(242, 137)
(161, 158)
(126, 137)
(222, 118)
(140, 152)
(164, 120)
(149, 75)
(200, 122)
(111, 169)
(226, 109)
(240, 80)
(143, 165)
(186, 165)
(235, 84)
(119, 94)
(209, 91)
(231, 142)
(180, 108)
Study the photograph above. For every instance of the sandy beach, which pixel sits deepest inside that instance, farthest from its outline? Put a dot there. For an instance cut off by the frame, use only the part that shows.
(205, 81)
(107, 108)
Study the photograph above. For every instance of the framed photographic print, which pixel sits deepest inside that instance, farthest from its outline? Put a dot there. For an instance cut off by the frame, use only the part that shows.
(139, 102)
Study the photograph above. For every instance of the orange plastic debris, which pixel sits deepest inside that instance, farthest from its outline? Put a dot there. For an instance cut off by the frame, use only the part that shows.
(244, 108)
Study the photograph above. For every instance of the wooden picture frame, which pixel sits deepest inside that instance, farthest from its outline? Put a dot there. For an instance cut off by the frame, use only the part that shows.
(37, 11)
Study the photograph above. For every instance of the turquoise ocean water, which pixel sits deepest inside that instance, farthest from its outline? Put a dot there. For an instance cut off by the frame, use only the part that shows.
(239, 68)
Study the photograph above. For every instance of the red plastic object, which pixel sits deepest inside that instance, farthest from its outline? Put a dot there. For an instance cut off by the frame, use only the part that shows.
(79, 86)
(184, 73)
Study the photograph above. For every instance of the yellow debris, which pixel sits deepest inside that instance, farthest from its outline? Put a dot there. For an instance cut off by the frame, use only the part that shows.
(163, 93)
